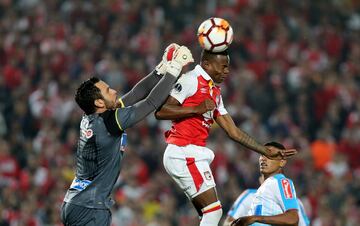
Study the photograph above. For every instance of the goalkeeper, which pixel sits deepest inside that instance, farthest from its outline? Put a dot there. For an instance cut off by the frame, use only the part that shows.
(102, 136)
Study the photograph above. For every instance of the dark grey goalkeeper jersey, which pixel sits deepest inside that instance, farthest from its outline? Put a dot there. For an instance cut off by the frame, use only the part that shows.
(98, 158)
(102, 138)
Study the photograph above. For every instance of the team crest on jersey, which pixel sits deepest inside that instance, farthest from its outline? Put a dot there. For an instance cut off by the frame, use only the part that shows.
(88, 133)
(178, 87)
(287, 188)
(207, 175)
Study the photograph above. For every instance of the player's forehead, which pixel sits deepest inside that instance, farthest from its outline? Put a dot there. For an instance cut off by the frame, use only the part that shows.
(102, 85)
(222, 59)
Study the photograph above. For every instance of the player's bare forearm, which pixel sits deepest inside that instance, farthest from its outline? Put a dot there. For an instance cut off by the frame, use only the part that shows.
(249, 142)
(172, 109)
(290, 217)
(228, 221)
(172, 112)
(226, 122)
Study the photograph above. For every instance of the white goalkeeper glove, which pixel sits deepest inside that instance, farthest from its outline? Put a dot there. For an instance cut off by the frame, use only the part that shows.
(168, 56)
(181, 57)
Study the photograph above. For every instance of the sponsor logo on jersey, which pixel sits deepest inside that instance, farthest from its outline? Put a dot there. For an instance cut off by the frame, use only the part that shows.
(84, 123)
(207, 175)
(79, 185)
(178, 87)
(123, 141)
(203, 83)
(207, 122)
(85, 132)
(287, 188)
(203, 90)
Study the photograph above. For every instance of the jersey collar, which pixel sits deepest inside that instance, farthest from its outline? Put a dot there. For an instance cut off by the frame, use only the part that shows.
(202, 72)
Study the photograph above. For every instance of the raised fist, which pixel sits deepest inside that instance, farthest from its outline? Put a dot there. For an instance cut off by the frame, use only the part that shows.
(205, 106)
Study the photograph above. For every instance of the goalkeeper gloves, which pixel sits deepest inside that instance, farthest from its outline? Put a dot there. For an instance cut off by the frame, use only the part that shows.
(168, 55)
(174, 58)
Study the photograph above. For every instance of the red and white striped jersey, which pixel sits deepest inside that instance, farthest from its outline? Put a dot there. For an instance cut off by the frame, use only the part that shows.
(191, 89)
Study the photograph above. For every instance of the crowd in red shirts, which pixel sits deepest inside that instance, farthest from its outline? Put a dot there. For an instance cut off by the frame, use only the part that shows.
(295, 78)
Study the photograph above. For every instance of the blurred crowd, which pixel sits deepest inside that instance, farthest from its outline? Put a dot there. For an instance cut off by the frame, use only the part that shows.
(295, 79)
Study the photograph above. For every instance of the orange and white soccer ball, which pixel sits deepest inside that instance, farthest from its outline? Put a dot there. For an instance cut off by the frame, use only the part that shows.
(215, 34)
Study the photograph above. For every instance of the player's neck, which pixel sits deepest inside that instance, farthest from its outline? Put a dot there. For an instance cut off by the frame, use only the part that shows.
(100, 110)
(266, 176)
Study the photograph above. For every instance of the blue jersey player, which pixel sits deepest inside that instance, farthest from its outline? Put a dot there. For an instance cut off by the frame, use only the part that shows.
(242, 205)
(275, 202)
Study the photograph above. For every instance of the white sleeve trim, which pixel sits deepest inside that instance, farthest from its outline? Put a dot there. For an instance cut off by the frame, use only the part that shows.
(221, 107)
(185, 87)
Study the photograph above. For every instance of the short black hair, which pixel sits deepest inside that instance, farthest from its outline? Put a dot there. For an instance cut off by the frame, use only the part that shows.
(208, 55)
(86, 94)
(275, 144)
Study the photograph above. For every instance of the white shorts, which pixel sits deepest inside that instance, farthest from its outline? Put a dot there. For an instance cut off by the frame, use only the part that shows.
(189, 166)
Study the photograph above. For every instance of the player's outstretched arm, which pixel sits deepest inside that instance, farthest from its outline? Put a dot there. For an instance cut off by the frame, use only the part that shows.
(227, 123)
(290, 217)
(141, 89)
(172, 109)
(145, 85)
(160, 92)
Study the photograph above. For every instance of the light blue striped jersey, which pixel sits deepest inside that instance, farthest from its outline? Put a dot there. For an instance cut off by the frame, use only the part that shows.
(275, 196)
(242, 204)
(303, 218)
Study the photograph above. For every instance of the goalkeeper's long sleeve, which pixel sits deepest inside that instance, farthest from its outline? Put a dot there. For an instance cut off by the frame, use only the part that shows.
(154, 100)
(141, 89)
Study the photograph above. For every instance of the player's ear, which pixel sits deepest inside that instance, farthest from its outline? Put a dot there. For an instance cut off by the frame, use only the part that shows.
(282, 163)
(99, 103)
(206, 64)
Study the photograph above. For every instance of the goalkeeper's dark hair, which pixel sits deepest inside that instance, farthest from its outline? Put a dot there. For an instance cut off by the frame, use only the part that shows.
(209, 56)
(86, 95)
(275, 144)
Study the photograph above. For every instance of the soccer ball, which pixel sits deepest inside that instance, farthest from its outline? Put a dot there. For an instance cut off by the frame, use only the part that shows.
(215, 34)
